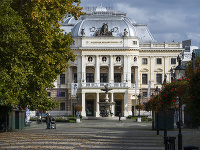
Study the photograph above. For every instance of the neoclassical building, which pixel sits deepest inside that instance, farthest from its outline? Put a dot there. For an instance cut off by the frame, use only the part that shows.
(116, 51)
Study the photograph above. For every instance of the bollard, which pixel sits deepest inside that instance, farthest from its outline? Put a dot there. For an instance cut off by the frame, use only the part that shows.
(191, 148)
(169, 143)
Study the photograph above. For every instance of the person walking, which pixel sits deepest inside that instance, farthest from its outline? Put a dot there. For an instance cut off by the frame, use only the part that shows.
(120, 117)
(48, 120)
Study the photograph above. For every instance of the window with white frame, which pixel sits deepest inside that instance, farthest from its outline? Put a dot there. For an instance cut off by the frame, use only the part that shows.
(90, 77)
(103, 77)
(49, 94)
(75, 77)
(117, 77)
(144, 94)
(173, 61)
(62, 94)
(144, 61)
(159, 78)
(134, 42)
(62, 106)
(159, 61)
(62, 78)
(144, 78)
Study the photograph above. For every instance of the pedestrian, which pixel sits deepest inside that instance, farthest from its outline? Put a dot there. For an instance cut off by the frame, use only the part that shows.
(120, 117)
(48, 120)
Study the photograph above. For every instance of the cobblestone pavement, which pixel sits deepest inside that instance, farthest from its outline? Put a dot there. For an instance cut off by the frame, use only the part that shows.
(91, 134)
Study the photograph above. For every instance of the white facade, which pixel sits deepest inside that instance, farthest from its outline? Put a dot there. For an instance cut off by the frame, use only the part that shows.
(112, 50)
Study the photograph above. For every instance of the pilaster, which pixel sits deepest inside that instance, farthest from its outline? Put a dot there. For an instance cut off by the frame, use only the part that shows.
(111, 70)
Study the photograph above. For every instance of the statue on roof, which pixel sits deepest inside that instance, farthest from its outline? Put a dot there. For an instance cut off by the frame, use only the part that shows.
(104, 31)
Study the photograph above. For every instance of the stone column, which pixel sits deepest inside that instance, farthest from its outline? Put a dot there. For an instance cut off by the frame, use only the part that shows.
(152, 71)
(97, 105)
(125, 71)
(83, 113)
(112, 106)
(129, 71)
(166, 67)
(70, 76)
(83, 77)
(126, 104)
(79, 70)
(111, 70)
(97, 70)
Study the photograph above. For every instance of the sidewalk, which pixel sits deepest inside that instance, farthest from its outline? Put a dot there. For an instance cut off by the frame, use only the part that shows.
(92, 134)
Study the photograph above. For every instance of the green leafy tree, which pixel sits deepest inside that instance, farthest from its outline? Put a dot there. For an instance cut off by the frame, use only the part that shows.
(33, 50)
(187, 89)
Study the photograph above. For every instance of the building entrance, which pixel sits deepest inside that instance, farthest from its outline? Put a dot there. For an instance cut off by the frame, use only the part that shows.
(118, 107)
(90, 108)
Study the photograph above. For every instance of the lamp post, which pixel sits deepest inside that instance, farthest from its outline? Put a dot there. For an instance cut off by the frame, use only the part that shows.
(172, 74)
(193, 60)
(179, 72)
(139, 118)
(78, 117)
(156, 93)
(165, 120)
(153, 115)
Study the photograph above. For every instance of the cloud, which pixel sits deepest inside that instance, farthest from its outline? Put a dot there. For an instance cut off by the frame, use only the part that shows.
(167, 20)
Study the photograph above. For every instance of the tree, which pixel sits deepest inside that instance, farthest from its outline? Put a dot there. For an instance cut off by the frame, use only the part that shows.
(187, 89)
(193, 102)
(33, 50)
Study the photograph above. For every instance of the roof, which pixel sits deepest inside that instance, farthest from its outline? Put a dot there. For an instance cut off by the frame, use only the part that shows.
(114, 22)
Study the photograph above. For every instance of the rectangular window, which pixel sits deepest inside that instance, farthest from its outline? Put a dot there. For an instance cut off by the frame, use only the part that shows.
(62, 106)
(132, 78)
(134, 42)
(144, 78)
(75, 78)
(62, 94)
(90, 77)
(49, 94)
(173, 61)
(117, 77)
(144, 94)
(144, 61)
(159, 60)
(159, 78)
(62, 78)
(103, 77)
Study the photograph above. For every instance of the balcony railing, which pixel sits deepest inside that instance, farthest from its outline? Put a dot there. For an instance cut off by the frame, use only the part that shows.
(97, 85)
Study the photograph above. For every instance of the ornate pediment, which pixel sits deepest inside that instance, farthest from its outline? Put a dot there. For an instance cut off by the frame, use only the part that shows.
(144, 70)
(158, 70)
(104, 31)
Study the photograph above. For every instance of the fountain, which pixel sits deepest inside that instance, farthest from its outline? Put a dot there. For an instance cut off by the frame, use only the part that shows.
(106, 105)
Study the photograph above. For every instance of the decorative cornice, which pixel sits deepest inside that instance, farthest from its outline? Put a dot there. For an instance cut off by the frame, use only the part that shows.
(105, 49)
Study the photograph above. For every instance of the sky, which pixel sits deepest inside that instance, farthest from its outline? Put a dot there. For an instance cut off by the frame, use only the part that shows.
(167, 20)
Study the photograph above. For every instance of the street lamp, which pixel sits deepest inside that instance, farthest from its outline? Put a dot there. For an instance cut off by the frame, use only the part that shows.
(153, 115)
(156, 93)
(78, 117)
(139, 118)
(172, 74)
(180, 69)
(180, 72)
(193, 60)
(165, 120)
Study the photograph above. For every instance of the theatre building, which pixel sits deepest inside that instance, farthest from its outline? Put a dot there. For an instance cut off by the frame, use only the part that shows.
(115, 51)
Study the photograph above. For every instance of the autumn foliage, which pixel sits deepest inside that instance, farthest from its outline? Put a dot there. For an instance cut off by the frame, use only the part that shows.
(34, 50)
(187, 89)
(78, 108)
